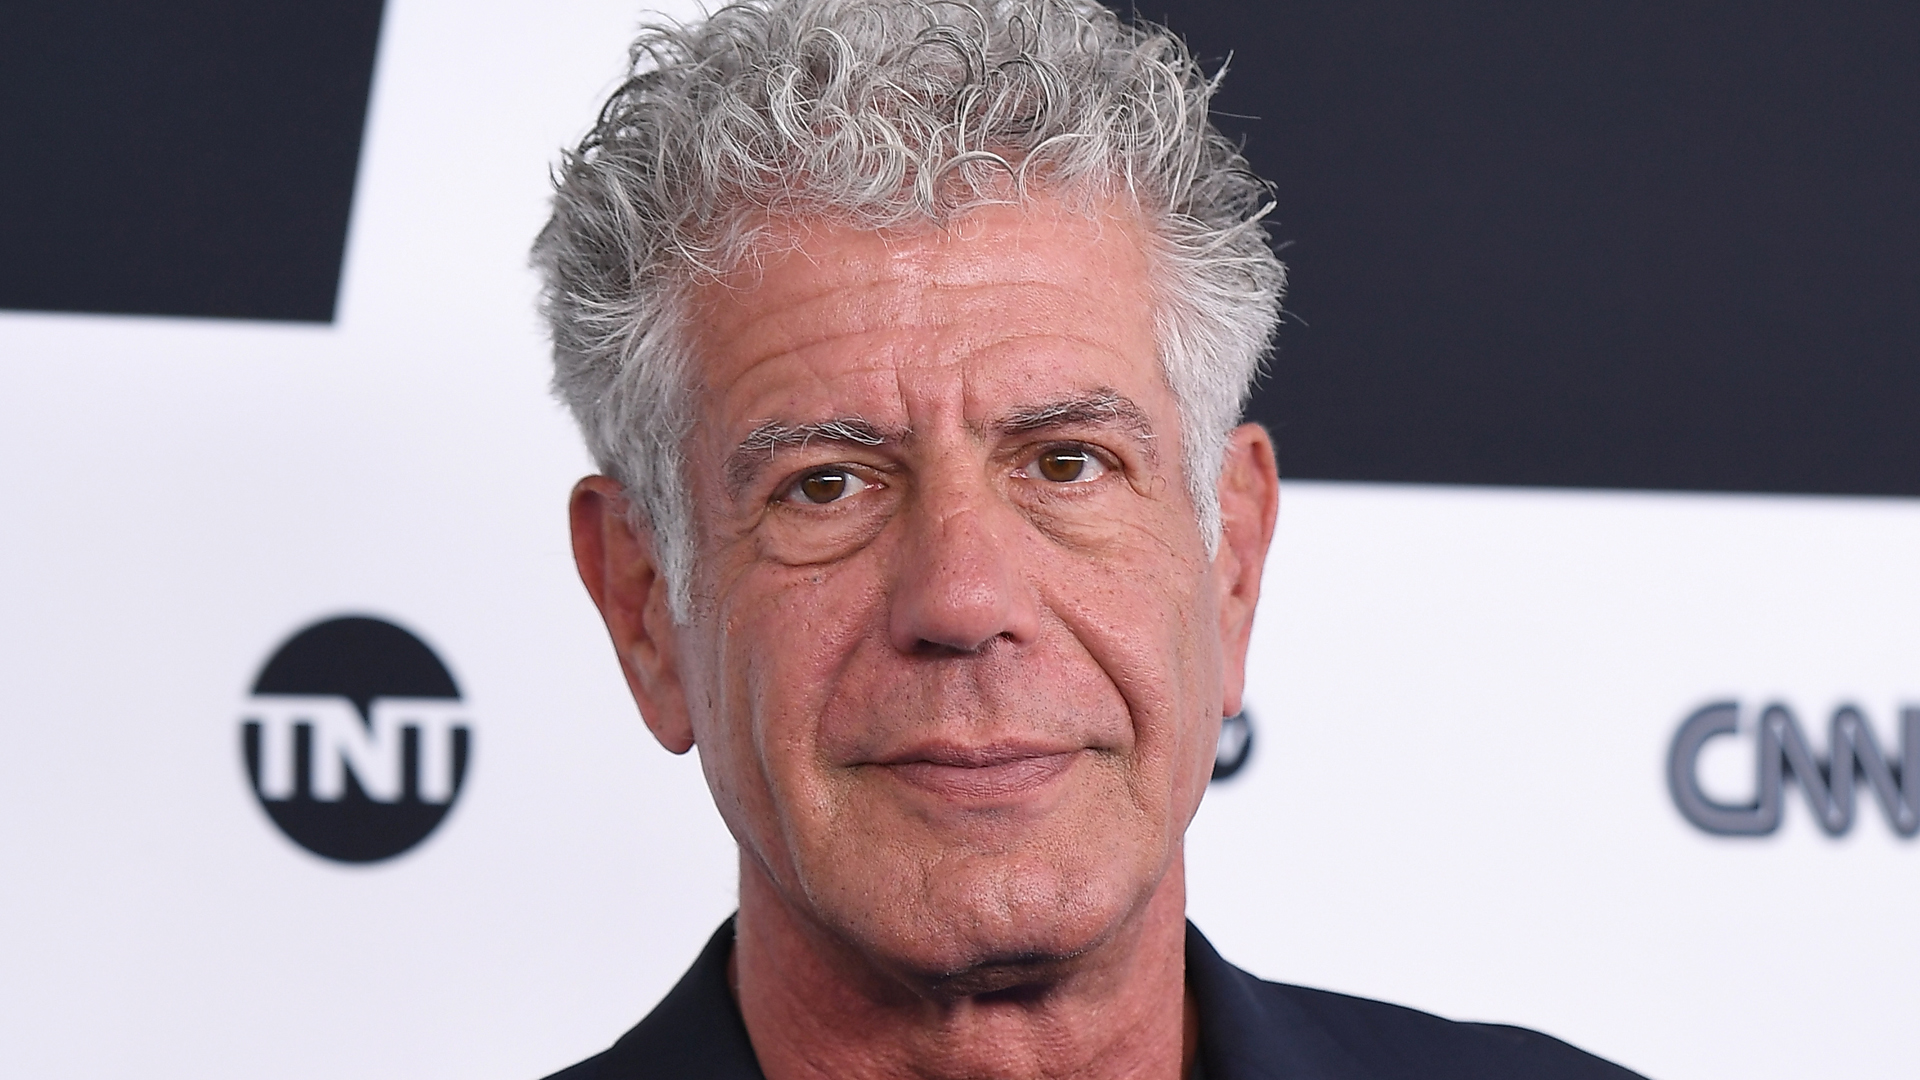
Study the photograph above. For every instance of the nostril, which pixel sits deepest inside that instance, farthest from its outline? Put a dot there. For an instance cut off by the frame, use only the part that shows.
(934, 650)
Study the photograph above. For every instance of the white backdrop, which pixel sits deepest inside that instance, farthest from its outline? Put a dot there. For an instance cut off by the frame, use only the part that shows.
(1463, 698)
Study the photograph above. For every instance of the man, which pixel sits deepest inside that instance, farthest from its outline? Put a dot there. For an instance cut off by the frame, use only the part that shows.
(911, 340)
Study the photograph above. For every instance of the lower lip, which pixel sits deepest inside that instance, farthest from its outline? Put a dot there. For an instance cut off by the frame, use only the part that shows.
(985, 783)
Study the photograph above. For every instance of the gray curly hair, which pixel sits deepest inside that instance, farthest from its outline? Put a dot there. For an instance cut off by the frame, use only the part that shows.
(881, 114)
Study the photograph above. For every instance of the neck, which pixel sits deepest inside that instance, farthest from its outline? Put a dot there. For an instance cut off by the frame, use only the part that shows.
(815, 1010)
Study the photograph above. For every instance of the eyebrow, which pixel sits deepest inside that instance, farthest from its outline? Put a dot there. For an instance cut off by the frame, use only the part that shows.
(1104, 407)
(769, 436)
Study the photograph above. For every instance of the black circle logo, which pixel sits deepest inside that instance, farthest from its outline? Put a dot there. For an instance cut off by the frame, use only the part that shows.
(356, 740)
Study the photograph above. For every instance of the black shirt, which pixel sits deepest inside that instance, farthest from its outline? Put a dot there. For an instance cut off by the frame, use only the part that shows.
(1249, 1030)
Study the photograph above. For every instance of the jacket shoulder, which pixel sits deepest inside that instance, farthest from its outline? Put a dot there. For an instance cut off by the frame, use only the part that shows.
(584, 1070)
(1393, 1041)
(695, 1033)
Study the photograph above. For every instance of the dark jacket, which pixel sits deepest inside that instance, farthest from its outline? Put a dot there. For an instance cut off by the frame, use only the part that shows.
(1250, 1029)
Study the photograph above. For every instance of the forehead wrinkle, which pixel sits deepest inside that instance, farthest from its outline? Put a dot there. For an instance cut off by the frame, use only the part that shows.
(960, 344)
(762, 329)
(911, 304)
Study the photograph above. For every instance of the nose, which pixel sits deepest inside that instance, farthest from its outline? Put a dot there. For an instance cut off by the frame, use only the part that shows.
(957, 587)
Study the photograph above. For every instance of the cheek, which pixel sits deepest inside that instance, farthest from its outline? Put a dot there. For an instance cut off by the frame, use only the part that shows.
(774, 650)
(1148, 621)
(1154, 632)
(790, 640)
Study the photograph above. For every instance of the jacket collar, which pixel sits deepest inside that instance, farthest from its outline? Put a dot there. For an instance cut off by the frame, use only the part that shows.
(1247, 1032)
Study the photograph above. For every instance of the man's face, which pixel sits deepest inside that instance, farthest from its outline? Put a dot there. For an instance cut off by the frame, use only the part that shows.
(956, 666)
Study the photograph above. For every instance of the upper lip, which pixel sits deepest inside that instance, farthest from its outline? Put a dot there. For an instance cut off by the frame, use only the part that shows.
(974, 757)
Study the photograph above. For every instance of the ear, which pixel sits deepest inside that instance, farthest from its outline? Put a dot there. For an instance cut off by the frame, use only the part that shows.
(617, 565)
(1249, 505)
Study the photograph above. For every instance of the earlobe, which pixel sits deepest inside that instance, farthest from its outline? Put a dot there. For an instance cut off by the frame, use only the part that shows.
(1249, 506)
(617, 566)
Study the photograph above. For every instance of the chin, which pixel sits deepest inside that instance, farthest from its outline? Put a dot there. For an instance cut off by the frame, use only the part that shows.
(978, 926)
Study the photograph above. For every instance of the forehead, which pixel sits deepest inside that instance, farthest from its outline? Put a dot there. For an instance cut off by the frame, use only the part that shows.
(1007, 304)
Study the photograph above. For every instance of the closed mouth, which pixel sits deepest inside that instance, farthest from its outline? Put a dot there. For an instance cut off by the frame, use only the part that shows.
(974, 774)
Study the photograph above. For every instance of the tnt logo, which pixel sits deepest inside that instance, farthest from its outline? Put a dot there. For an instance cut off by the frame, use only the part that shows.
(356, 739)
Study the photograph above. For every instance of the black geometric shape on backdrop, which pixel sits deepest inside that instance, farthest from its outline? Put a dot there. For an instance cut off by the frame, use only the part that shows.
(193, 157)
(1634, 244)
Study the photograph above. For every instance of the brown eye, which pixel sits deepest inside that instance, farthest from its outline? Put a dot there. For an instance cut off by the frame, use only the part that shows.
(825, 486)
(1063, 466)
(1066, 465)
